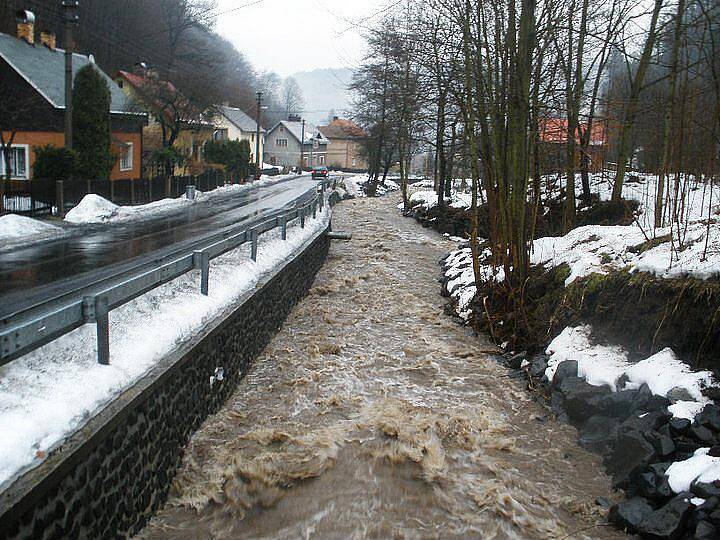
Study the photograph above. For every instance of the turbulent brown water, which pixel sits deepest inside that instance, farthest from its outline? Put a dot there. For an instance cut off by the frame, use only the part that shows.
(374, 415)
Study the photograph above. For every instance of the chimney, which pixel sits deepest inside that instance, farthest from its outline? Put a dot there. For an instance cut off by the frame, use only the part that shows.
(140, 68)
(25, 25)
(48, 39)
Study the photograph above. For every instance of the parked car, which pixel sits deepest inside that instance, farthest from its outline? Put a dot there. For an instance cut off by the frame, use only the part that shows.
(319, 172)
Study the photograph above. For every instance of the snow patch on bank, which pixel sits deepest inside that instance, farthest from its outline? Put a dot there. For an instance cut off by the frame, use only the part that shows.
(608, 365)
(51, 392)
(699, 468)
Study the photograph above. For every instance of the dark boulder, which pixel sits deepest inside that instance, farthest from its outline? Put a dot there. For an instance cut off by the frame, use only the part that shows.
(706, 531)
(714, 451)
(662, 441)
(598, 434)
(667, 522)
(709, 417)
(652, 482)
(706, 490)
(515, 360)
(580, 399)
(565, 369)
(679, 425)
(702, 434)
(629, 514)
(537, 367)
(646, 422)
(624, 403)
(632, 452)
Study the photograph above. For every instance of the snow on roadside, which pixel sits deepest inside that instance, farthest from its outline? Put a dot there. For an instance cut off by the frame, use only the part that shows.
(96, 209)
(15, 228)
(606, 364)
(50, 392)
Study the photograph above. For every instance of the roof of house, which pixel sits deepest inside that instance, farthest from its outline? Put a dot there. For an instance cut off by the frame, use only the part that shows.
(554, 130)
(240, 119)
(296, 130)
(341, 128)
(44, 69)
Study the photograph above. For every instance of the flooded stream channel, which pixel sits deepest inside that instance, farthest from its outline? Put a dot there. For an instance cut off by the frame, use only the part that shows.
(372, 414)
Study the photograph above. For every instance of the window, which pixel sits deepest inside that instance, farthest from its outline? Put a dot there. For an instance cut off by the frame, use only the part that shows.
(315, 143)
(281, 142)
(353, 162)
(126, 157)
(18, 162)
(321, 160)
(252, 137)
(220, 135)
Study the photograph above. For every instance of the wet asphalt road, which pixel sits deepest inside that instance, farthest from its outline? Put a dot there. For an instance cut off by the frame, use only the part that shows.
(92, 252)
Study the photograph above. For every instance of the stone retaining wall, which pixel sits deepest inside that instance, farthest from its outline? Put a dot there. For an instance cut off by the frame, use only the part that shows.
(109, 478)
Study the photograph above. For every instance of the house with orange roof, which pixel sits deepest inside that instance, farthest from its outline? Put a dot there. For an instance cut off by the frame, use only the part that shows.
(345, 150)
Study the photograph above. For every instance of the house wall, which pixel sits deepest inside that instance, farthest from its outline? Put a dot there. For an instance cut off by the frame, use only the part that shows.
(342, 152)
(42, 138)
(236, 134)
(288, 156)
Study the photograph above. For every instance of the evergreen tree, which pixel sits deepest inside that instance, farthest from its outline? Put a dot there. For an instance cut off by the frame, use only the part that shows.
(91, 124)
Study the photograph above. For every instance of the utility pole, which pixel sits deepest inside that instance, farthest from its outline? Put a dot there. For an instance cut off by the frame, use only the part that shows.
(71, 20)
(258, 161)
(302, 147)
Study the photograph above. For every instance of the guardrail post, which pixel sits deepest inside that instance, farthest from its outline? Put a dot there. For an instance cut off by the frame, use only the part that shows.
(314, 209)
(201, 261)
(102, 321)
(302, 217)
(322, 195)
(283, 225)
(254, 244)
(96, 309)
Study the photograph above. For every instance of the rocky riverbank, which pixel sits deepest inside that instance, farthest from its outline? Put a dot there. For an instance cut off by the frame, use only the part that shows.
(659, 442)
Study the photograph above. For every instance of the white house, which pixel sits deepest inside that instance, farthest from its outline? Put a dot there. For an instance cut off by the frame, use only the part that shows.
(233, 124)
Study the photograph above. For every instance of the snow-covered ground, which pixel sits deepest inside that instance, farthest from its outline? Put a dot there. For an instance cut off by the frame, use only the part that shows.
(51, 392)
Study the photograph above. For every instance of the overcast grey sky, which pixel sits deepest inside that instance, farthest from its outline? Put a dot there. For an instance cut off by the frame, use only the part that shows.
(287, 36)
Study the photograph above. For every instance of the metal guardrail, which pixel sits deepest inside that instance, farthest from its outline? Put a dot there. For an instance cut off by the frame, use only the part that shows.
(31, 328)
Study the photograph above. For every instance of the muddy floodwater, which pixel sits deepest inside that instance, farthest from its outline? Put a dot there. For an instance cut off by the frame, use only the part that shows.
(372, 414)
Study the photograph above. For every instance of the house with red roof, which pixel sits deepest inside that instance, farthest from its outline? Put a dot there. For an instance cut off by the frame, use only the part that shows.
(553, 144)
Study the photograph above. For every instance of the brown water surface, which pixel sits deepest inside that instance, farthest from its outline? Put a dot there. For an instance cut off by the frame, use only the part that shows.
(372, 414)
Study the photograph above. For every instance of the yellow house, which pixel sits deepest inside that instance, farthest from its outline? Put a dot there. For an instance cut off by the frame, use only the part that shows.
(173, 122)
(233, 124)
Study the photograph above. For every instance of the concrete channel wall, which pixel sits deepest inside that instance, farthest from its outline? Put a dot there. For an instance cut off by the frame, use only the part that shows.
(109, 478)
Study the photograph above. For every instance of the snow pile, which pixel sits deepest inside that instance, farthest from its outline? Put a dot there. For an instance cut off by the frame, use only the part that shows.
(50, 392)
(21, 228)
(608, 364)
(699, 468)
(92, 209)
